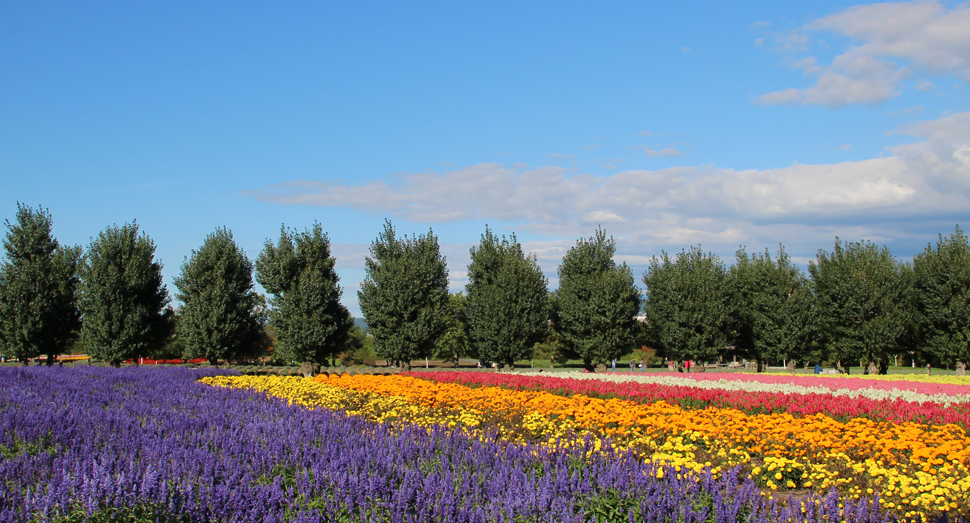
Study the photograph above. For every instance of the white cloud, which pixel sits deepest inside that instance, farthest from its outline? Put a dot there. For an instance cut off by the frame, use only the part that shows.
(852, 78)
(924, 35)
(801, 206)
(788, 96)
(792, 43)
(349, 255)
(667, 151)
(493, 191)
(597, 217)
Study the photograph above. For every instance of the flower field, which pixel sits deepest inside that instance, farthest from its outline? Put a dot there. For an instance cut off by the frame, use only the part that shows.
(798, 395)
(916, 469)
(154, 444)
(853, 443)
(179, 445)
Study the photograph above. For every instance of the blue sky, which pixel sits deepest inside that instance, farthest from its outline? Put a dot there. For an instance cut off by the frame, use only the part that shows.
(670, 125)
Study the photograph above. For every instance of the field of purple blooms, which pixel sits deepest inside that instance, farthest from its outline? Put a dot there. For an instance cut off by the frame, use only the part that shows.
(151, 444)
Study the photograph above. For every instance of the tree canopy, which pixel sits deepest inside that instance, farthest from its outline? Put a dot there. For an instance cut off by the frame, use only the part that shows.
(311, 324)
(404, 295)
(772, 307)
(507, 296)
(453, 343)
(941, 290)
(39, 314)
(597, 302)
(687, 305)
(123, 298)
(861, 292)
(219, 318)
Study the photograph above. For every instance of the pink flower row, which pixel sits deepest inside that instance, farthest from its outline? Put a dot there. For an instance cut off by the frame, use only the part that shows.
(833, 383)
(841, 408)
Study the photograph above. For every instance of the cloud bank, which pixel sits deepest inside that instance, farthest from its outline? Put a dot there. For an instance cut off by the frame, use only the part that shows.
(925, 35)
(802, 205)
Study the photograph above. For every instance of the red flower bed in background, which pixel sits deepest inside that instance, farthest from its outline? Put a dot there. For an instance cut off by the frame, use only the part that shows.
(838, 407)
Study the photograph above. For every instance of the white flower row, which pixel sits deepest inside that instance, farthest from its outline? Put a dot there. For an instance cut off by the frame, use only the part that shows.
(755, 386)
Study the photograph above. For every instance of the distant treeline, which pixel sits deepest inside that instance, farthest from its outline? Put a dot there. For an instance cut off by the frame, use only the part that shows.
(856, 303)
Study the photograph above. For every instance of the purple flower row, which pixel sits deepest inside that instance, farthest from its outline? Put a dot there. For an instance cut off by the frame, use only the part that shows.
(152, 443)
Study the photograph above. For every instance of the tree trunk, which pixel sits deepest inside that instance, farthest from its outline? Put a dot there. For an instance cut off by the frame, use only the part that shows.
(307, 369)
(873, 367)
(50, 360)
(761, 364)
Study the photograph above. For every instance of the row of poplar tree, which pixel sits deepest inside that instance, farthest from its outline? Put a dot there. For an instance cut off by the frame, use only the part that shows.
(857, 303)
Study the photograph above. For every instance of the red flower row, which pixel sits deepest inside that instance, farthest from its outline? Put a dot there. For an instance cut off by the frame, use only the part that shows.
(838, 407)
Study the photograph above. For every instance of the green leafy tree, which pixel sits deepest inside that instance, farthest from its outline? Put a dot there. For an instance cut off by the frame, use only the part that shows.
(453, 343)
(38, 283)
(687, 305)
(861, 292)
(550, 347)
(597, 302)
(359, 349)
(123, 298)
(172, 348)
(941, 285)
(218, 319)
(310, 323)
(507, 295)
(772, 307)
(404, 295)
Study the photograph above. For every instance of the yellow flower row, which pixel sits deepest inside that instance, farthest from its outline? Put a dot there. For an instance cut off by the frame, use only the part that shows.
(919, 465)
(915, 468)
